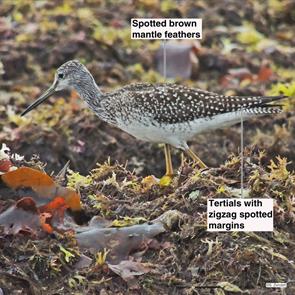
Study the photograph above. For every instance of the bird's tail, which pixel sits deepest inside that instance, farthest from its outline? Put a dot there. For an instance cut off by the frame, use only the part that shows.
(266, 101)
(260, 105)
(269, 109)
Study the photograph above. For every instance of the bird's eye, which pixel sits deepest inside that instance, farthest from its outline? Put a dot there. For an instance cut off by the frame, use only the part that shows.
(61, 75)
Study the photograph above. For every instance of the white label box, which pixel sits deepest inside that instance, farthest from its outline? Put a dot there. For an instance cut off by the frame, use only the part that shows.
(166, 28)
(240, 214)
(276, 285)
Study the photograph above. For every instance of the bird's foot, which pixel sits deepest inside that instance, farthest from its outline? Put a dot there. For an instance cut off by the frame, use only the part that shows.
(166, 180)
(151, 180)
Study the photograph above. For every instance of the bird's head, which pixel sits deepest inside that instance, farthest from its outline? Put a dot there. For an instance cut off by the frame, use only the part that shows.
(68, 76)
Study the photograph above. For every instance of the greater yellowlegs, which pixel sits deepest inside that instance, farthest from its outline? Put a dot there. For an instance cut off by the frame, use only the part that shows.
(163, 113)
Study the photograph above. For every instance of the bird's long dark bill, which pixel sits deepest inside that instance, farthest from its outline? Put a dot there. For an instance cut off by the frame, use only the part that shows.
(39, 100)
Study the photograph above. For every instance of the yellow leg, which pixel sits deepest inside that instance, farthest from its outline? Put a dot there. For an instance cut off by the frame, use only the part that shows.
(195, 158)
(168, 160)
(182, 159)
(168, 177)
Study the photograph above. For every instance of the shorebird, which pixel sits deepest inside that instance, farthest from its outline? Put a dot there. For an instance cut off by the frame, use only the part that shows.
(162, 113)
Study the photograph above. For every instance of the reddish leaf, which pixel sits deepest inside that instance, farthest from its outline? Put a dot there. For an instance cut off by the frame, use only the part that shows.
(265, 73)
(26, 217)
(56, 204)
(5, 165)
(56, 209)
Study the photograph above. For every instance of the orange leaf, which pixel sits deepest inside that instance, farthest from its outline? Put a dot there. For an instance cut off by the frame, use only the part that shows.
(55, 204)
(46, 226)
(72, 199)
(42, 184)
(27, 177)
(56, 210)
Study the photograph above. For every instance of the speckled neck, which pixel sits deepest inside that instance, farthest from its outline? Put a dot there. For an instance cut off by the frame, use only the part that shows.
(94, 97)
(89, 91)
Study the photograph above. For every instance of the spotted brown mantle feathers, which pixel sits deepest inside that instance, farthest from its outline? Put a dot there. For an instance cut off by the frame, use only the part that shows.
(172, 103)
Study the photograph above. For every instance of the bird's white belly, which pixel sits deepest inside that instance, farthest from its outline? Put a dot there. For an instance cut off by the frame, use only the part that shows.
(146, 133)
(178, 134)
